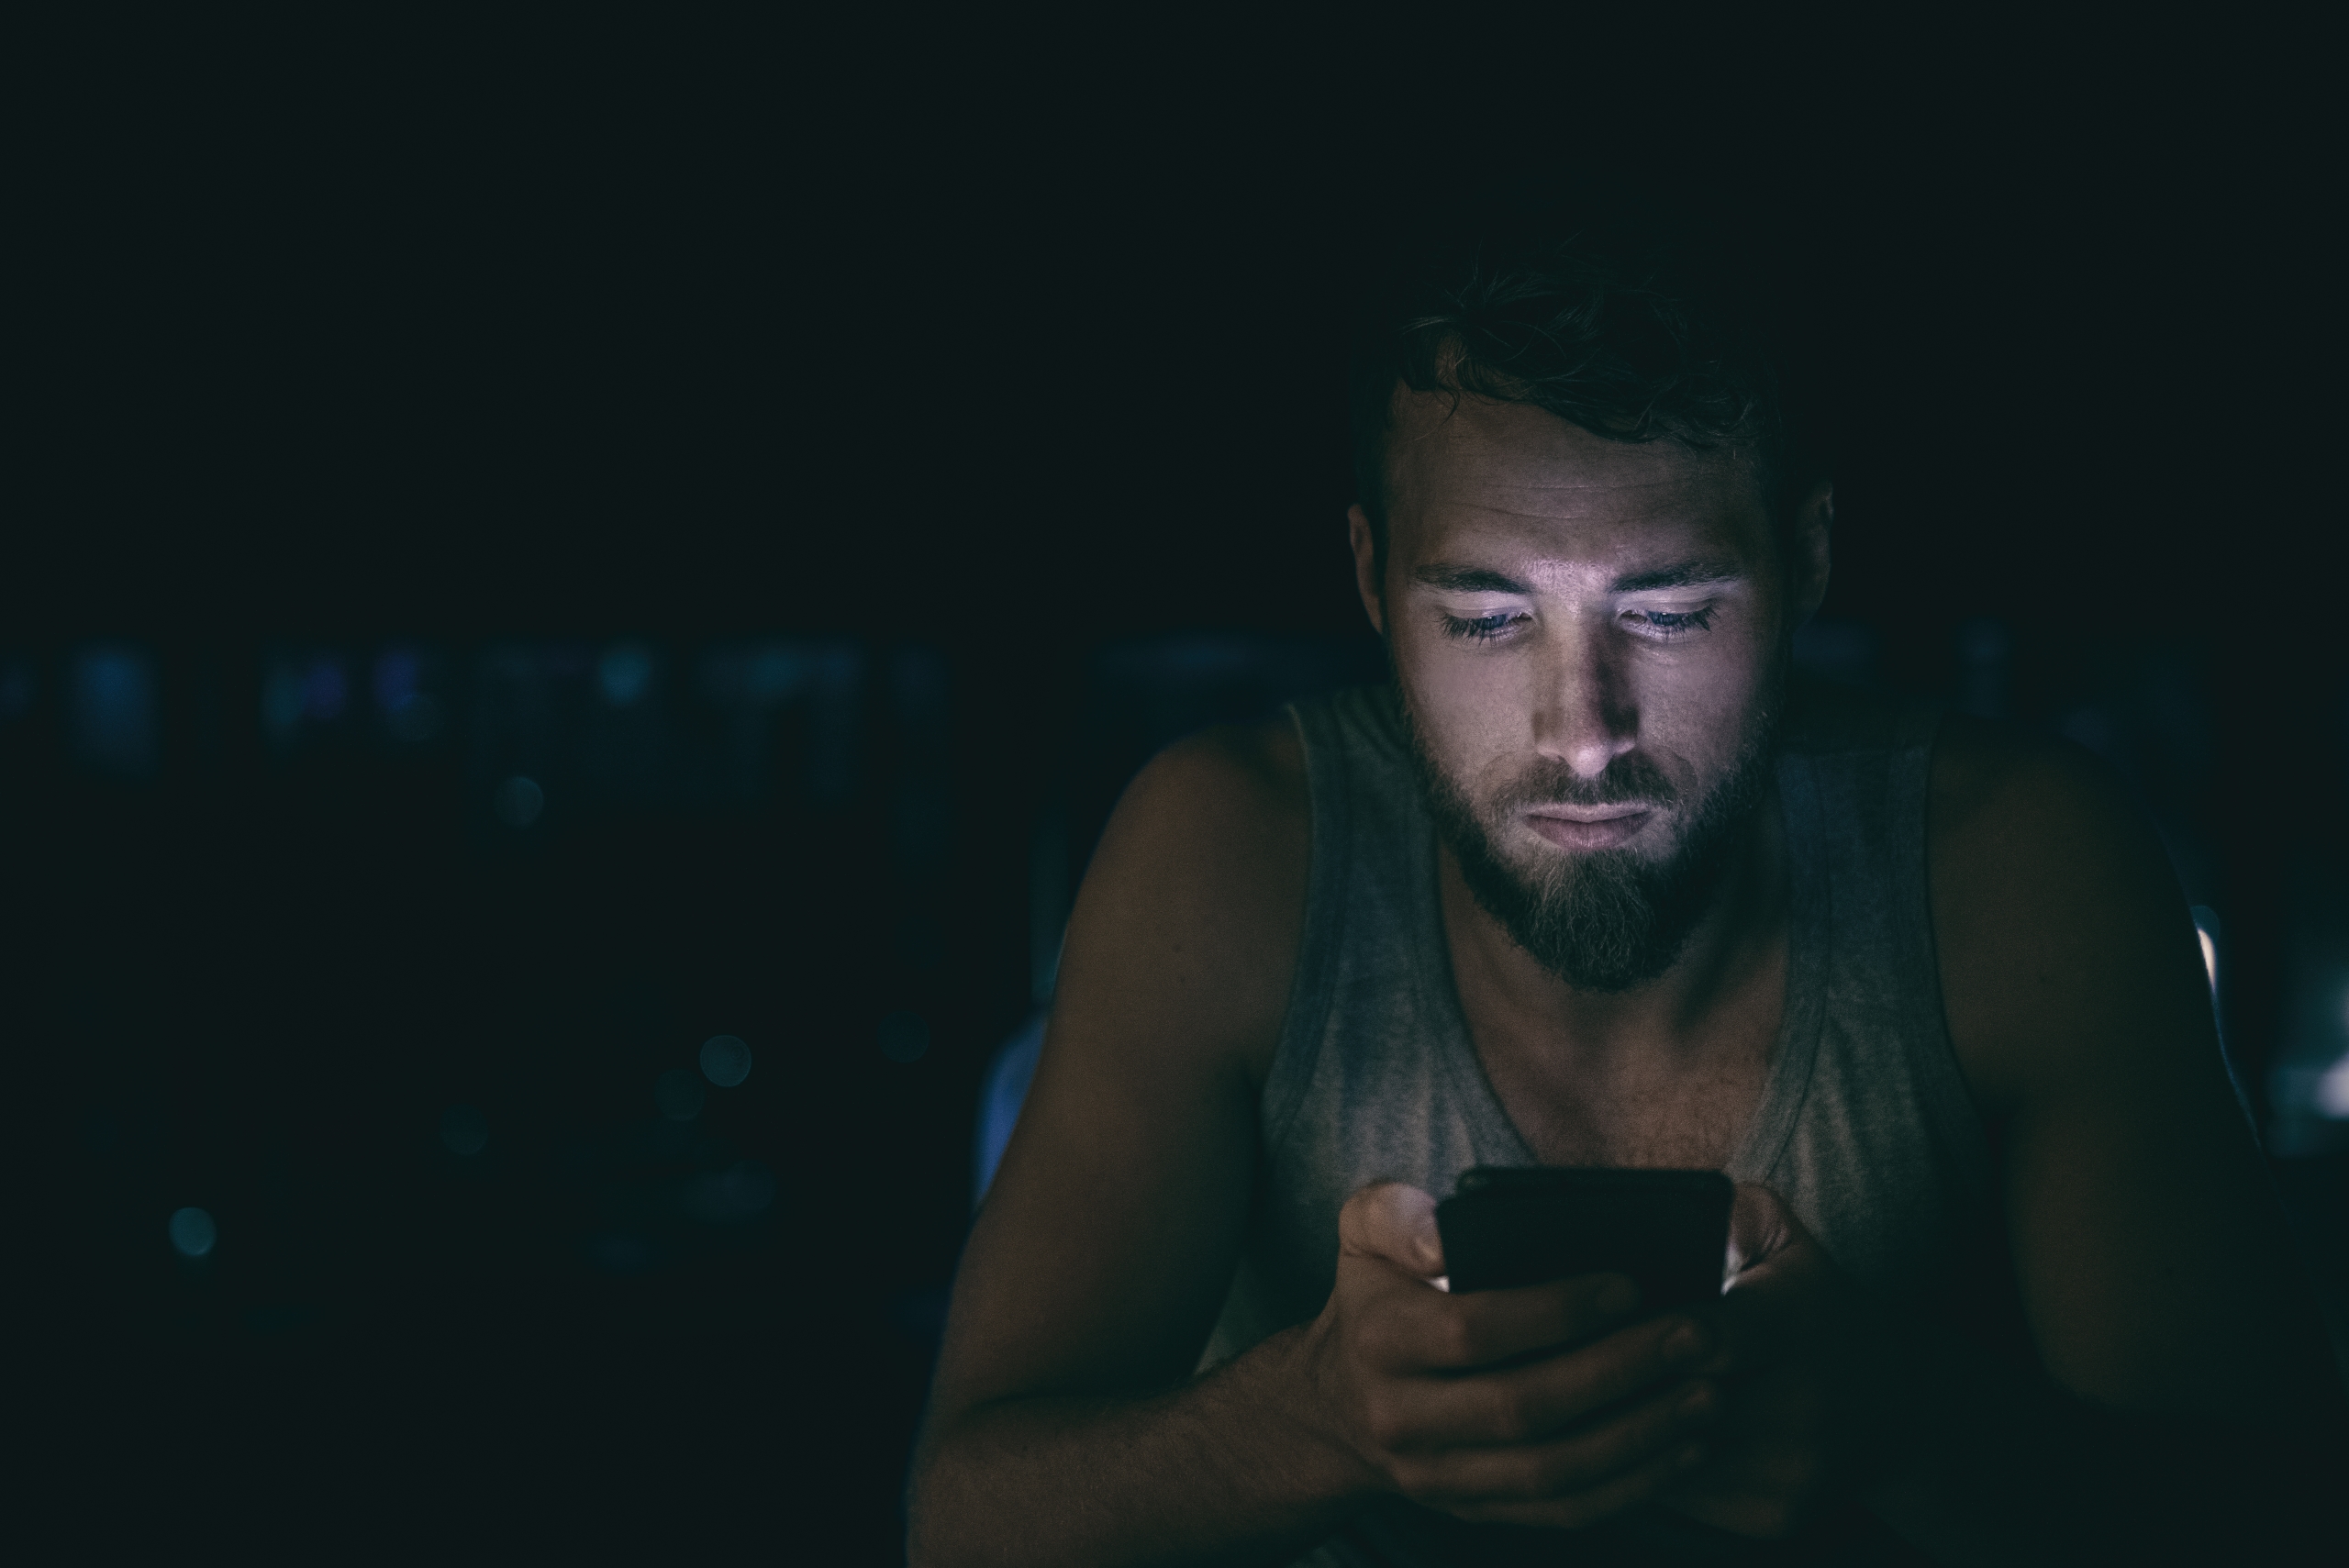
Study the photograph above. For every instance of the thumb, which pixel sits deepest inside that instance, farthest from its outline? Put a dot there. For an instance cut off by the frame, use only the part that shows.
(1771, 1259)
(1760, 1228)
(1395, 1222)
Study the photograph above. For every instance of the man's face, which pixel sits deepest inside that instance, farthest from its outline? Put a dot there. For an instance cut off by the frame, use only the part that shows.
(1589, 637)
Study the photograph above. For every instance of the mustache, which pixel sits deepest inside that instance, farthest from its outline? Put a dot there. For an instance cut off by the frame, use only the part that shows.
(1630, 779)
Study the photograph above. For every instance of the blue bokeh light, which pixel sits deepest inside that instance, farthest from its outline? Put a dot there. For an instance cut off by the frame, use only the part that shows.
(730, 1196)
(624, 674)
(773, 673)
(725, 1060)
(519, 801)
(325, 690)
(1001, 1094)
(281, 701)
(410, 713)
(464, 1129)
(416, 719)
(398, 672)
(193, 1233)
(114, 709)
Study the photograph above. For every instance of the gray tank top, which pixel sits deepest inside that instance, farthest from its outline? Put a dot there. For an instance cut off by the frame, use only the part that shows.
(1864, 1125)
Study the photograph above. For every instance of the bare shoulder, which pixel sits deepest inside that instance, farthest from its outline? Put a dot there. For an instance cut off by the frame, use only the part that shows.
(1246, 777)
(1996, 785)
(1101, 1255)
(1200, 878)
(2051, 892)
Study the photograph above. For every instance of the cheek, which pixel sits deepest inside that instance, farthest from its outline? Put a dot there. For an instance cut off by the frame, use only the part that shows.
(1469, 712)
(1699, 707)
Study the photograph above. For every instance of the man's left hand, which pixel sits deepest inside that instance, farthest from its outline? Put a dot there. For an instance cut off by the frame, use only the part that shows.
(1808, 1374)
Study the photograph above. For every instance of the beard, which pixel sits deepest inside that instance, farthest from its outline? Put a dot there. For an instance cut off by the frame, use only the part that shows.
(1606, 920)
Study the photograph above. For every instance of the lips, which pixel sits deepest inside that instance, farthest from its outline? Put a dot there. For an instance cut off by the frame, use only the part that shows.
(1589, 826)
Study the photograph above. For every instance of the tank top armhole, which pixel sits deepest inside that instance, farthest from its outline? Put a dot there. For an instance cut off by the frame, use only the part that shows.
(1948, 1101)
(1305, 1020)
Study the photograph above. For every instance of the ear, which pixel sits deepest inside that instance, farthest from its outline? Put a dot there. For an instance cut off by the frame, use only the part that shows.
(1366, 583)
(1808, 551)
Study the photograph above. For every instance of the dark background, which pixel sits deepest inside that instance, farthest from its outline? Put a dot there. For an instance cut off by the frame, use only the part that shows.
(938, 416)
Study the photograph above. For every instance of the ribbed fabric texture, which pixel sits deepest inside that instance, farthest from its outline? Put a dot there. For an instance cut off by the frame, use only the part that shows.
(1863, 1126)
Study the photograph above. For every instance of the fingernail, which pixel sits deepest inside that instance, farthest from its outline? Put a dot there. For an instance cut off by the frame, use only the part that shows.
(1697, 1401)
(1618, 1298)
(1685, 1343)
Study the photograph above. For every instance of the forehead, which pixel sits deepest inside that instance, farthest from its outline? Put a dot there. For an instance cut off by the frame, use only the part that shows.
(1523, 481)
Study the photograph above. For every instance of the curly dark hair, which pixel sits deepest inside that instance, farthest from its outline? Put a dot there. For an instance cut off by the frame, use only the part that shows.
(1624, 334)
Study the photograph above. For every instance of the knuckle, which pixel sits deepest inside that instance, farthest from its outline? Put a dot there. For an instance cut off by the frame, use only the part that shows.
(1364, 1205)
(1413, 1480)
(1456, 1340)
(1509, 1415)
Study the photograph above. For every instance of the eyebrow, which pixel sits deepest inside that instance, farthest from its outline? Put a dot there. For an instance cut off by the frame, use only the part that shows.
(1681, 574)
(1454, 579)
(1466, 580)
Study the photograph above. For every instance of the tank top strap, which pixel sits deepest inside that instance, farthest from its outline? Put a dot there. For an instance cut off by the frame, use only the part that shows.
(1331, 735)
(1374, 993)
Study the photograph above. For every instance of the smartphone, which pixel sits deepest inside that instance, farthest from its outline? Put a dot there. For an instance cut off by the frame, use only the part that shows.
(1517, 1225)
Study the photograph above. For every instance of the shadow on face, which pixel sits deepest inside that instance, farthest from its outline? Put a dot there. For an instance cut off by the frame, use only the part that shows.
(1563, 609)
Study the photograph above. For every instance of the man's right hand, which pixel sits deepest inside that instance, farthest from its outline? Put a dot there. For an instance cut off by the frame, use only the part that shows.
(1536, 1407)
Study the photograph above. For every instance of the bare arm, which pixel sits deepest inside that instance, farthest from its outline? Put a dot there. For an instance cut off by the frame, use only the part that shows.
(2175, 1398)
(1062, 1423)
(2155, 1269)
(2182, 1353)
(1066, 1426)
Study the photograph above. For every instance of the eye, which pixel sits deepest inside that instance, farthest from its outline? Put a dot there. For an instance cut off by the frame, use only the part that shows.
(1669, 624)
(1483, 629)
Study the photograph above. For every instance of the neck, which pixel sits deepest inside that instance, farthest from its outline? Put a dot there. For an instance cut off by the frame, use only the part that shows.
(1735, 944)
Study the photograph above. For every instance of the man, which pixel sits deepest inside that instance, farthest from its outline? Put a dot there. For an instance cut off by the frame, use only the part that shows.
(1593, 886)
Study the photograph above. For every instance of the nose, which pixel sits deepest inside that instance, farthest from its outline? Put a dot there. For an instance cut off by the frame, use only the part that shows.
(1583, 714)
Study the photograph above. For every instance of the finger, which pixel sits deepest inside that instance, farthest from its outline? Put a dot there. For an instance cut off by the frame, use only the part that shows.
(1419, 1331)
(1536, 1471)
(1394, 1221)
(1627, 1489)
(1540, 1399)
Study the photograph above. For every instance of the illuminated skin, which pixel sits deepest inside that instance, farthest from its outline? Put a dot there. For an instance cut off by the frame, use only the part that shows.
(1557, 603)
(1557, 596)
(1067, 1423)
